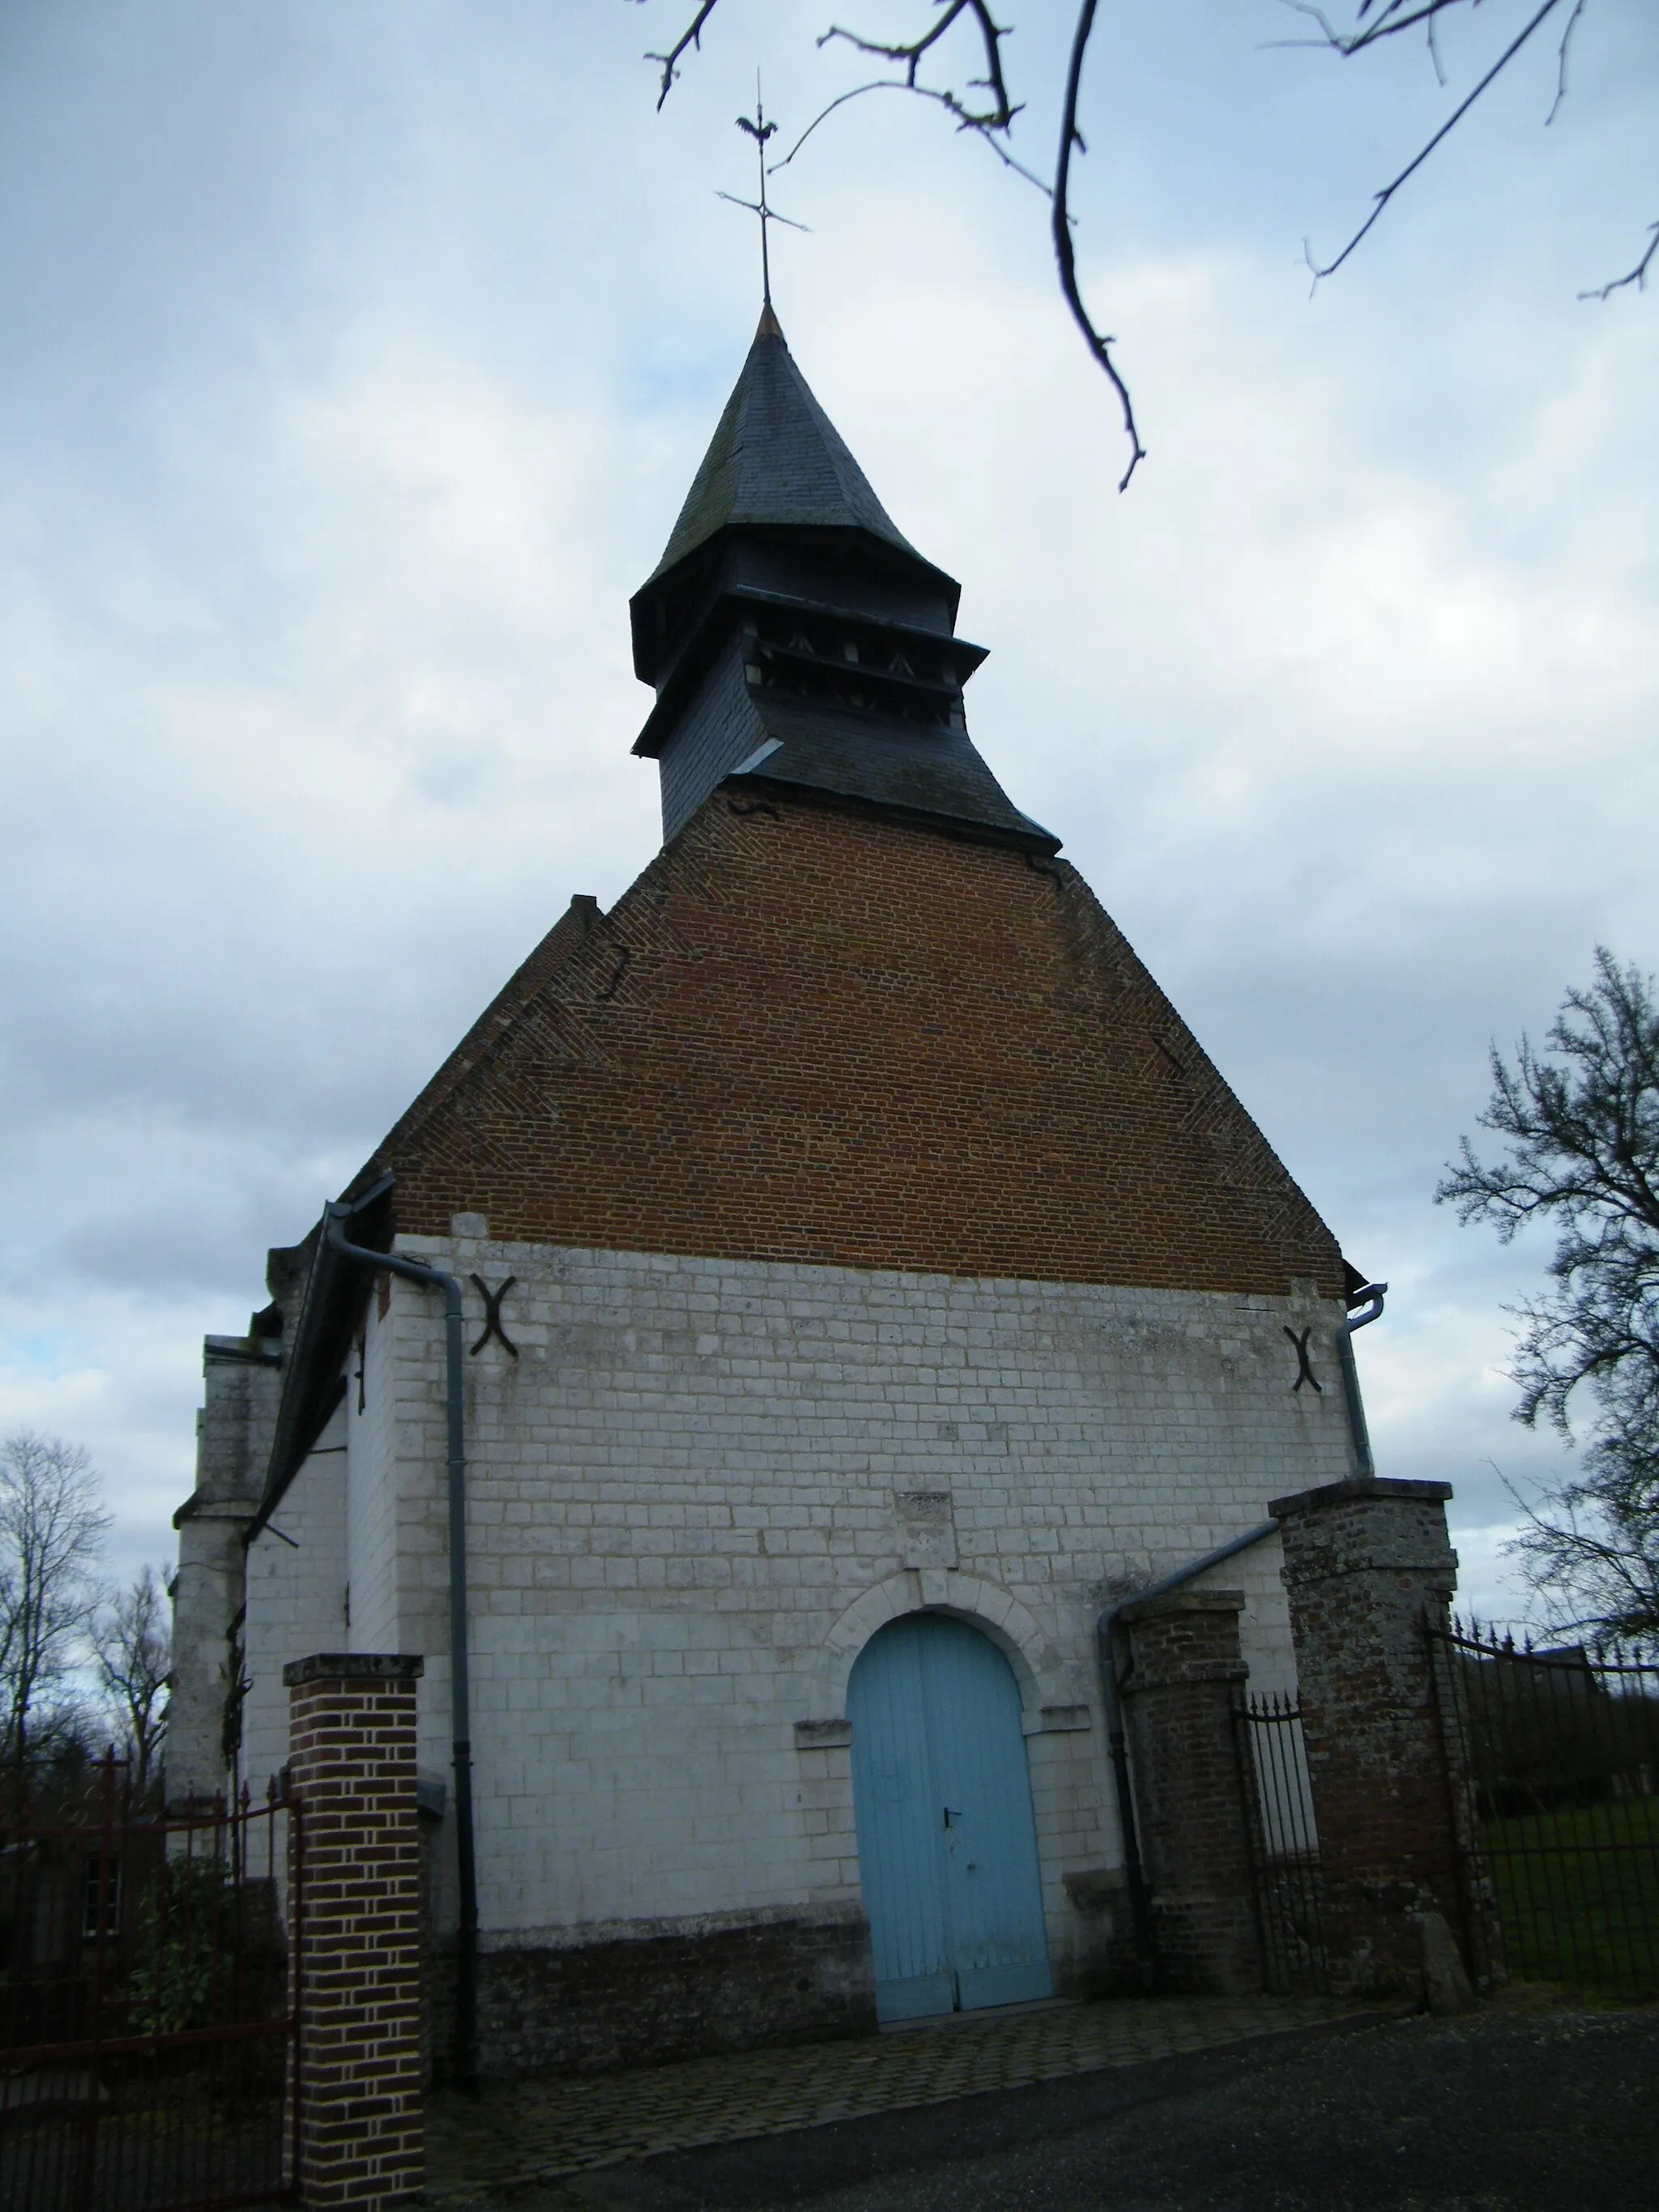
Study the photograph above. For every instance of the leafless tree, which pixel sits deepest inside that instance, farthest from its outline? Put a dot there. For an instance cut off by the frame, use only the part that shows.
(956, 65)
(132, 1642)
(52, 1536)
(1580, 1124)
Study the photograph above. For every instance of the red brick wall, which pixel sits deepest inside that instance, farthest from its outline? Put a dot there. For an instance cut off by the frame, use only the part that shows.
(806, 1034)
(352, 1772)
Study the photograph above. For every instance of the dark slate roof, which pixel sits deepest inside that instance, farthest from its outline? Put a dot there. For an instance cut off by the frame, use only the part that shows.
(776, 460)
(890, 765)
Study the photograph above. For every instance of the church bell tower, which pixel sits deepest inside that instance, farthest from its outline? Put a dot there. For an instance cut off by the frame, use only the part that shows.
(795, 638)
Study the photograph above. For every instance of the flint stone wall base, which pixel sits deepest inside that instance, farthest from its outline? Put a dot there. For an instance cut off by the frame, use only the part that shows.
(627, 1998)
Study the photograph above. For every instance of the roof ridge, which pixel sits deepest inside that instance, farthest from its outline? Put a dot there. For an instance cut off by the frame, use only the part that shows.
(557, 950)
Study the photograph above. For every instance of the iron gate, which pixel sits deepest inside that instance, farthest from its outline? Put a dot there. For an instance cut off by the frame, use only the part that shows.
(1286, 1880)
(1556, 1754)
(147, 2018)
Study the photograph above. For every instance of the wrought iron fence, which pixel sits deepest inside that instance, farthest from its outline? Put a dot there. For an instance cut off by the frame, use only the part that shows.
(1558, 1753)
(1283, 1845)
(147, 2019)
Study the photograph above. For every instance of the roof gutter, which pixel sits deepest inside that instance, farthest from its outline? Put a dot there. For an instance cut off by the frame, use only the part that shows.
(1106, 1627)
(336, 1214)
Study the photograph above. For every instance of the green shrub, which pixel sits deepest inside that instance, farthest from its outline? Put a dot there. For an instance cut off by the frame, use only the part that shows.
(184, 1948)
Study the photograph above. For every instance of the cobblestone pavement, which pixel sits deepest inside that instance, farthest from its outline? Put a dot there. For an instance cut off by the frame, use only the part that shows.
(538, 2131)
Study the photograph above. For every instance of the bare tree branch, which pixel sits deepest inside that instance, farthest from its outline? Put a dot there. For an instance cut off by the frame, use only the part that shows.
(1638, 276)
(688, 38)
(1589, 1578)
(1561, 61)
(1432, 39)
(991, 118)
(132, 1645)
(921, 91)
(1401, 15)
(991, 33)
(1350, 45)
(990, 124)
(1064, 254)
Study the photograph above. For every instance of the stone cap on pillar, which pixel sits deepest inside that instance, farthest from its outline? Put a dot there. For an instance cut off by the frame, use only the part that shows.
(1353, 1490)
(355, 1667)
(1375, 1528)
(1141, 1610)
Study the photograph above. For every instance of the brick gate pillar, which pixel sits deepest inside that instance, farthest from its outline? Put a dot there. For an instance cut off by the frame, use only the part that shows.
(1366, 1565)
(351, 1764)
(1193, 1793)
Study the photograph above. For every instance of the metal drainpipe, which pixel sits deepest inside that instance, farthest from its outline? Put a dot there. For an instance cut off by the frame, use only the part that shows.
(1365, 1466)
(1105, 1629)
(467, 1958)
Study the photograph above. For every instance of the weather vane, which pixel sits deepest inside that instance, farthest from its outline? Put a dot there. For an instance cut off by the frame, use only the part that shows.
(760, 130)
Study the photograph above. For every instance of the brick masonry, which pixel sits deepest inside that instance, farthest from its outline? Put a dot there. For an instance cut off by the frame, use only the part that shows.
(881, 1239)
(812, 1034)
(694, 1494)
(1368, 1569)
(1185, 1674)
(352, 1774)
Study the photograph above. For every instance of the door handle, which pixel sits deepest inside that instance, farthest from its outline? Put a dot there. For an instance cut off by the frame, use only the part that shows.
(952, 1813)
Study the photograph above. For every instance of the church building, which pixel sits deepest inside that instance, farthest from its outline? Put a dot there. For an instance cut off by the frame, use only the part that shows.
(863, 1280)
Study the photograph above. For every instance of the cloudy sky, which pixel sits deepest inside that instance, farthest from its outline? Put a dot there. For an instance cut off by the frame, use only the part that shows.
(357, 356)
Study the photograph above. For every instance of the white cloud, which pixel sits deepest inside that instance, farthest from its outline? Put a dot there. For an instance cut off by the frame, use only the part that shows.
(361, 359)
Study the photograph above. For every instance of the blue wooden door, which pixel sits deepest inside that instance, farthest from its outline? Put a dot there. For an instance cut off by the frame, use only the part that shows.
(947, 1848)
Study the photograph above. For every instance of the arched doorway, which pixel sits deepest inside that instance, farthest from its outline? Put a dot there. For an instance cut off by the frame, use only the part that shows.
(947, 1847)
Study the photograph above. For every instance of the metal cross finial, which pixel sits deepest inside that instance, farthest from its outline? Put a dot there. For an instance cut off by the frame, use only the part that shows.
(760, 130)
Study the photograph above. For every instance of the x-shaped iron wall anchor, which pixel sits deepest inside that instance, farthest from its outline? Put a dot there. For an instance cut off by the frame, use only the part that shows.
(1303, 1370)
(493, 1314)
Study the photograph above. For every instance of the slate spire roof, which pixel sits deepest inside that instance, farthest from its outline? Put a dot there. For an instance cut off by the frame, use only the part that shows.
(792, 632)
(776, 461)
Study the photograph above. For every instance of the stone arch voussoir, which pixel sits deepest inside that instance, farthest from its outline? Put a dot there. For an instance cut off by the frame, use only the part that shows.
(985, 1605)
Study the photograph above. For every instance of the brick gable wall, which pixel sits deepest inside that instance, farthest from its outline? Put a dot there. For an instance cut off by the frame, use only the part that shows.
(562, 944)
(805, 1034)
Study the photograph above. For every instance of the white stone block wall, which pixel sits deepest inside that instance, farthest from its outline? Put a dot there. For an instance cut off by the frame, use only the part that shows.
(371, 1434)
(1264, 1628)
(693, 1497)
(296, 1598)
(233, 1433)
